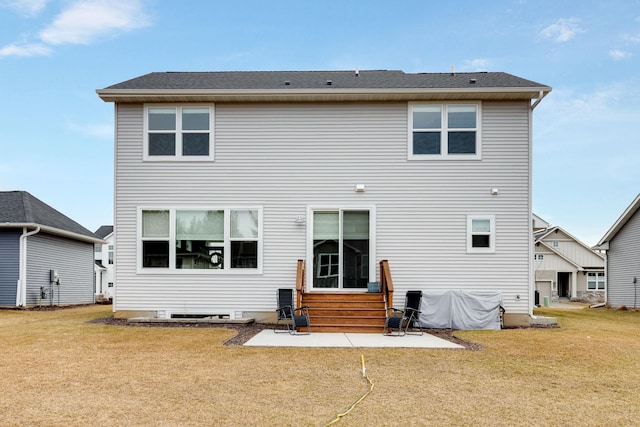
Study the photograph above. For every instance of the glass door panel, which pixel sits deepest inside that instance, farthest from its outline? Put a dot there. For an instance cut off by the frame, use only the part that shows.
(355, 249)
(326, 244)
(341, 247)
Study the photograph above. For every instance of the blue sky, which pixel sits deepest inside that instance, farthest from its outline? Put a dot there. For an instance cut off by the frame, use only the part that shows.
(56, 135)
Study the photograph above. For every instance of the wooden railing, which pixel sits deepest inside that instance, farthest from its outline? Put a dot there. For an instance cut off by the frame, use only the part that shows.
(300, 273)
(386, 283)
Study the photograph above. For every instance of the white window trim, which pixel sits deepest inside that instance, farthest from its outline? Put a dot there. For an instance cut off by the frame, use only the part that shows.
(444, 155)
(172, 238)
(492, 234)
(597, 276)
(178, 156)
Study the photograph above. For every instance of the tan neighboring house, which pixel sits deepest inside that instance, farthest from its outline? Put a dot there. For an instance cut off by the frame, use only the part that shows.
(565, 267)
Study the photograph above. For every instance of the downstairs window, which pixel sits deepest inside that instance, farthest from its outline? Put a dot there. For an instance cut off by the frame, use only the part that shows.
(216, 239)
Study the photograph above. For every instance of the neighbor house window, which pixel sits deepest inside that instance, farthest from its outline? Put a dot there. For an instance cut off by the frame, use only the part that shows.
(444, 131)
(201, 239)
(480, 233)
(595, 281)
(110, 254)
(178, 133)
(328, 265)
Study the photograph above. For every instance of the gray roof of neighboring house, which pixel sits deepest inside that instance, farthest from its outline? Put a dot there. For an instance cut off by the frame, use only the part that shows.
(365, 85)
(372, 79)
(19, 208)
(104, 231)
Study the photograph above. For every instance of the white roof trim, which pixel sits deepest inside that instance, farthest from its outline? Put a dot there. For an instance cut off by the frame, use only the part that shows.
(626, 215)
(53, 230)
(231, 95)
(555, 227)
(577, 266)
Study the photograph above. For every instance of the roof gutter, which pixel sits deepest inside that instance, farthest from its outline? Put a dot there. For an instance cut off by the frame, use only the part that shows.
(351, 94)
(56, 231)
(21, 290)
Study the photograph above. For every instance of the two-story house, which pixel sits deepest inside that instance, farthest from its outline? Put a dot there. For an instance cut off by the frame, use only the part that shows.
(223, 180)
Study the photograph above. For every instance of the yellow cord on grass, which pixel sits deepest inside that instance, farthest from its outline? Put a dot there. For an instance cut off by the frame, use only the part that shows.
(354, 404)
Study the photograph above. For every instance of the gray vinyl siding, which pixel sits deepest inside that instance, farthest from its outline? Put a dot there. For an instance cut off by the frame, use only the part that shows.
(9, 266)
(286, 157)
(74, 262)
(624, 264)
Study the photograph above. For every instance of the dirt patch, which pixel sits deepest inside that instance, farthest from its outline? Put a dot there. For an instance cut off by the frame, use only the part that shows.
(244, 332)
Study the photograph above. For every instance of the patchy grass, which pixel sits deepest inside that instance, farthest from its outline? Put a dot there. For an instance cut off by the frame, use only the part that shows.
(57, 369)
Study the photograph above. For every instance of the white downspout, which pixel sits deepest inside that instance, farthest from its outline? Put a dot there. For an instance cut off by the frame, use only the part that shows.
(540, 97)
(21, 291)
(606, 276)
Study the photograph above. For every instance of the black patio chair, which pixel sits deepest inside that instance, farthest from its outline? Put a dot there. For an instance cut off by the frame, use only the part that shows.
(293, 318)
(399, 322)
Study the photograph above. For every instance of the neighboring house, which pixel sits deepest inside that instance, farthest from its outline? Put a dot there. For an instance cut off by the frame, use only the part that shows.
(46, 258)
(539, 224)
(621, 245)
(224, 179)
(567, 268)
(104, 268)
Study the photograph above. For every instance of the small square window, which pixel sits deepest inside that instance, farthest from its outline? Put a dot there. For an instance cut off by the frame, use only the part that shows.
(480, 233)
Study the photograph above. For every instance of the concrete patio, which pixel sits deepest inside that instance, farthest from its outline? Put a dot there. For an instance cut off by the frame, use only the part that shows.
(268, 338)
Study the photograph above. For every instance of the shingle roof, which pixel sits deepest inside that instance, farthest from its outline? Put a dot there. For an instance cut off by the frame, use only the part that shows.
(20, 207)
(322, 86)
(366, 79)
(104, 231)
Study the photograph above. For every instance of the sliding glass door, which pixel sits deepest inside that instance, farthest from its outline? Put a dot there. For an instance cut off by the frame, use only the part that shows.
(342, 246)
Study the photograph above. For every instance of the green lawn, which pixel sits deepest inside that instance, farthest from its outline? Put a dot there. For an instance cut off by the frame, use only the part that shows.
(56, 369)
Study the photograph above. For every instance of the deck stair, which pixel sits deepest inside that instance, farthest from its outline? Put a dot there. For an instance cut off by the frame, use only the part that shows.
(345, 312)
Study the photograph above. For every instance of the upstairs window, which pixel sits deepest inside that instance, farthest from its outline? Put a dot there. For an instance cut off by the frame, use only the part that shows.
(178, 133)
(444, 131)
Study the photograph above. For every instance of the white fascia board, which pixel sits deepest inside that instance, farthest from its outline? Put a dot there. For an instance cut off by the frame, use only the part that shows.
(176, 95)
(628, 213)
